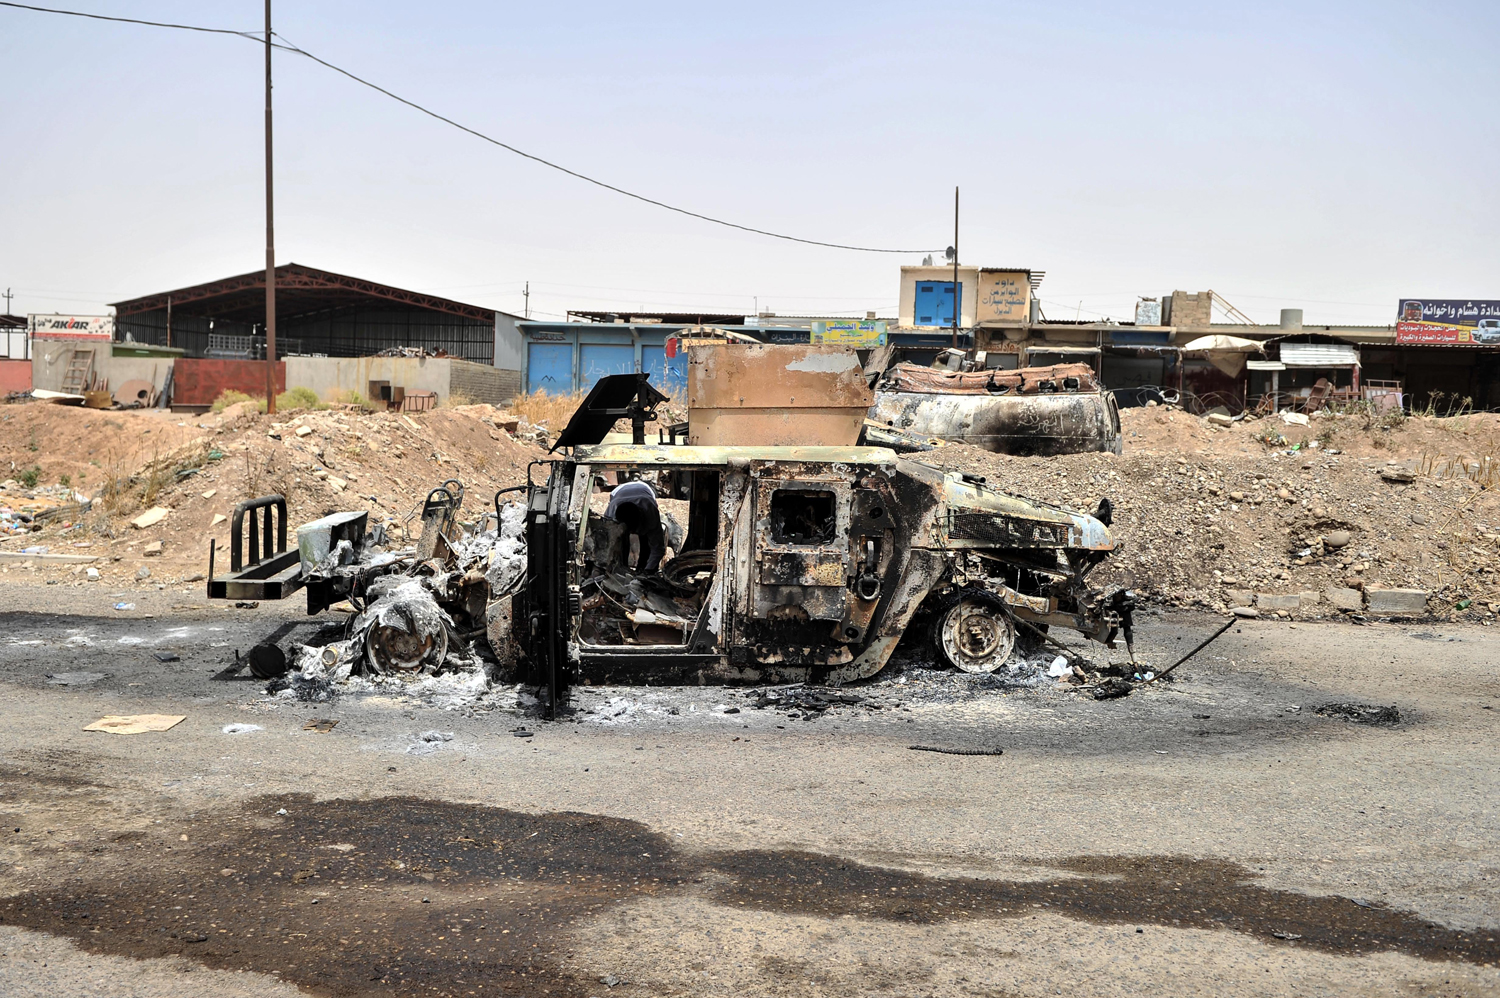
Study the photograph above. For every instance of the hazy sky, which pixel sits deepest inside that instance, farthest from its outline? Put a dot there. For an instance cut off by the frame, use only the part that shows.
(1332, 156)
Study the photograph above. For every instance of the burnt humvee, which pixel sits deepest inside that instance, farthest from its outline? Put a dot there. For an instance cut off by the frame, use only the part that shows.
(796, 563)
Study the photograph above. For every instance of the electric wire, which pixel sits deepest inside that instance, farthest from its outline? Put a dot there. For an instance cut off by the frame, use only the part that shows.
(288, 46)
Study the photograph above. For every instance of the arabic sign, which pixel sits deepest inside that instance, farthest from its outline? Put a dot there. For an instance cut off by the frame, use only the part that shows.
(71, 327)
(1003, 295)
(1448, 322)
(849, 332)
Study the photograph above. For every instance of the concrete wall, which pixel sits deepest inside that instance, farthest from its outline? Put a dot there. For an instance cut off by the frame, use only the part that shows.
(482, 383)
(49, 362)
(510, 345)
(15, 376)
(332, 377)
(967, 276)
(1190, 310)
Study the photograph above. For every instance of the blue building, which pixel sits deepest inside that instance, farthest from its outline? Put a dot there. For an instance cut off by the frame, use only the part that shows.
(566, 357)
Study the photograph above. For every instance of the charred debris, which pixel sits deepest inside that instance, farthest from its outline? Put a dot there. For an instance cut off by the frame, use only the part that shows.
(788, 563)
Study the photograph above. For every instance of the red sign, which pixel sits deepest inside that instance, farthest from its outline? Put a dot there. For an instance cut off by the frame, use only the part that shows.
(1434, 333)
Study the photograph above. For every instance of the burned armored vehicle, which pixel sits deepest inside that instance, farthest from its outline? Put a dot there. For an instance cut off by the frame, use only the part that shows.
(795, 562)
(1031, 411)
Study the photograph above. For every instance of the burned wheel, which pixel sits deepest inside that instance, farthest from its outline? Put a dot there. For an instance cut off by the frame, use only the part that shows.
(974, 635)
(393, 651)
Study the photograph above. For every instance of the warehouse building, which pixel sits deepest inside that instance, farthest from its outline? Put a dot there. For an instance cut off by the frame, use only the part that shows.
(320, 314)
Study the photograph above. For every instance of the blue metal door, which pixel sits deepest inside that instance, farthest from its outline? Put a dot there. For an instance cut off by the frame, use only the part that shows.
(934, 303)
(667, 374)
(549, 368)
(599, 359)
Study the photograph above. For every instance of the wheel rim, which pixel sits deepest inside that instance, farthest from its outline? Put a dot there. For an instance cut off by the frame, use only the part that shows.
(977, 637)
(393, 651)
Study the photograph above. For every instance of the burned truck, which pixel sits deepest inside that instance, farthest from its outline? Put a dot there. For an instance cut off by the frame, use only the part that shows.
(797, 563)
(788, 562)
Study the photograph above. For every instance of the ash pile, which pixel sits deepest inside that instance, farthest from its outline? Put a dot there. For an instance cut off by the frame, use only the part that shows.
(430, 618)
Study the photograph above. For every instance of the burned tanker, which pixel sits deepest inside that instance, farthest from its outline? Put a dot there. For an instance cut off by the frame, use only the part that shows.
(797, 562)
(1030, 411)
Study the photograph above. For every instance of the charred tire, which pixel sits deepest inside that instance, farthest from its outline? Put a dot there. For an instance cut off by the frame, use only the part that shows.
(394, 651)
(973, 631)
(267, 661)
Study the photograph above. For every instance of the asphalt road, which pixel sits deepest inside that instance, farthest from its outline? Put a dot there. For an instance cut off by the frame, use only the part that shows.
(1212, 836)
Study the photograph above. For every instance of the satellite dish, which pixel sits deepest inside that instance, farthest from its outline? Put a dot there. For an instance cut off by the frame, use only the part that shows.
(927, 260)
(949, 254)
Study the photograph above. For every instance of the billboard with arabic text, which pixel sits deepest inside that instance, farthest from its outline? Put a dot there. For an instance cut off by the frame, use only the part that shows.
(1448, 322)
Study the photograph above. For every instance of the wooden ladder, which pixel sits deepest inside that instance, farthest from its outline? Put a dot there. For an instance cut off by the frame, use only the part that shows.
(80, 365)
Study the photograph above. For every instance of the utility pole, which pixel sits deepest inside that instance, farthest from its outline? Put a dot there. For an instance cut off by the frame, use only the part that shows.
(8, 297)
(169, 320)
(957, 299)
(526, 294)
(270, 240)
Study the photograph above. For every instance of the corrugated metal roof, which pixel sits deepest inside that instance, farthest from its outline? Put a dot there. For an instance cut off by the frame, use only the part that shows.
(1319, 355)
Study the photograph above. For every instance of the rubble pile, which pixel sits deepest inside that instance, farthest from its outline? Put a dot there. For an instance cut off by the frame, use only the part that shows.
(1396, 521)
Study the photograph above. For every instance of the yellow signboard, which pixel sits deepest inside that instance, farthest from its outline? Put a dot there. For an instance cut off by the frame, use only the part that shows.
(858, 333)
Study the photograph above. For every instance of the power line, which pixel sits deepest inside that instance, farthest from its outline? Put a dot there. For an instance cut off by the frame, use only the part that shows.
(288, 46)
(131, 20)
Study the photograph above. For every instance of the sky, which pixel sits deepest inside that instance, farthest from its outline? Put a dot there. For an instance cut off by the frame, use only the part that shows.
(1328, 156)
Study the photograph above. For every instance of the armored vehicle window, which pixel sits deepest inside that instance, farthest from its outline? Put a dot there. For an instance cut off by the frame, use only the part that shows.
(802, 517)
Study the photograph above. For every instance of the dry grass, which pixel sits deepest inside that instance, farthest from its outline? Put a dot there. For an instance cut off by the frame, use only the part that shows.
(458, 398)
(539, 408)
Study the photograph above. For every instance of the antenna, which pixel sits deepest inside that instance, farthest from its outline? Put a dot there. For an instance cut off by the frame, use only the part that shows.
(952, 254)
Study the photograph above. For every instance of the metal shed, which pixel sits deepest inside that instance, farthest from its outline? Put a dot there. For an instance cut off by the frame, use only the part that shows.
(318, 313)
(567, 357)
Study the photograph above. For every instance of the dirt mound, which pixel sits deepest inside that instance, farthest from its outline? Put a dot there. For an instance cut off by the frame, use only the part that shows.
(1209, 515)
(199, 467)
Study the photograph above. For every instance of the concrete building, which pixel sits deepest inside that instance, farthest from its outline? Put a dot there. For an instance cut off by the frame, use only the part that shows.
(987, 296)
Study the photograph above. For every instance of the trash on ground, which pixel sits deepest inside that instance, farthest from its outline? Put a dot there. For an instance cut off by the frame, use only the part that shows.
(240, 729)
(151, 517)
(74, 678)
(1112, 689)
(320, 725)
(1362, 713)
(135, 724)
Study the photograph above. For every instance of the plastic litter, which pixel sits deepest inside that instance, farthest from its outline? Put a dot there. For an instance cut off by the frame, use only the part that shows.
(240, 729)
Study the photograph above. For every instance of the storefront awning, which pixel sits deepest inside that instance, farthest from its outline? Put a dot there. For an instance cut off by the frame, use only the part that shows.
(1319, 355)
(1265, 365)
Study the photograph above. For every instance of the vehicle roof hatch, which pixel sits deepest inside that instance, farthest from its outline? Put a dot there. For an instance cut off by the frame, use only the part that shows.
(613, 397)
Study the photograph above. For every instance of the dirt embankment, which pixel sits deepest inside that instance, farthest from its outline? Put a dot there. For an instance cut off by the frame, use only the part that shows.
(1205, 512)
(199, 467)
